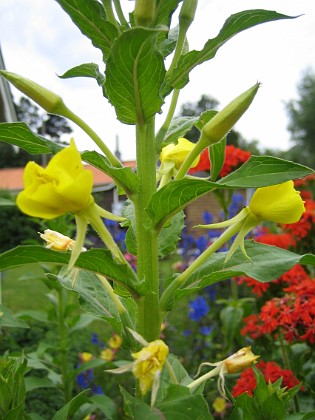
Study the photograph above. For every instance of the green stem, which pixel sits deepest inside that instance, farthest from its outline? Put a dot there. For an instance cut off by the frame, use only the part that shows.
(179, 47)
(64, 344)
(109, 12)
(120, 13)
(170, 114)
(147, 242)
(167, 296)
(91, 133)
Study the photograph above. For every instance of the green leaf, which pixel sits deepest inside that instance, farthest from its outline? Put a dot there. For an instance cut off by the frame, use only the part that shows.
(124, 177)
(137, 409)
(5, 202)
(68, 410)
(98, 261)
(134, 73)
(178, 128)
(8, 319)
(105, 404)
(180, 403)
(22, 136)
(260, 171)
(233, 25)
(170, 235)
(231, 318)
(167, 46)
(217, 157)
(33, 382)
(93, 297)
(85, 70)
(90, 18)
(174, 196)
(216, 269)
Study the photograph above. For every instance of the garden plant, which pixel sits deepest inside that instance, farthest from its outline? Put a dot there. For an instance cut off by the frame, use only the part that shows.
(147, 58)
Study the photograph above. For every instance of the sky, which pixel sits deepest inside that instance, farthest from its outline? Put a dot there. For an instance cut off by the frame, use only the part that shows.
(39, 41)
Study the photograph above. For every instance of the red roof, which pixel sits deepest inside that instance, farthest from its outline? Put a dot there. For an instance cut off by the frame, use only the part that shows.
(12, 178)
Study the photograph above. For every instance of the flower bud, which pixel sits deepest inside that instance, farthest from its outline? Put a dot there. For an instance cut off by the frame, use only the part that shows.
(144, 12)
(240, 360)
(223, 121)
(187, 12)
(47, 99)
(178, 153)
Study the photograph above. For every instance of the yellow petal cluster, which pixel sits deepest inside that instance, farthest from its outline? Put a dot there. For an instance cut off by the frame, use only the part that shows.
(148, 363)
(115, 342)
(279, 203)
(177, 153)
(63, 186)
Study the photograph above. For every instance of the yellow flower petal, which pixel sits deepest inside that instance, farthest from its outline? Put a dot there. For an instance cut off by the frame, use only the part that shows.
(178, 153)
(148, 362)
(279, 203)
(64, 186)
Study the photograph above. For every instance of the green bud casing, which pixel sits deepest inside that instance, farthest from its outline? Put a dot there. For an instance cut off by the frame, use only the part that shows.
(223, 121)
(48, 100)
(187, 12)
(144, 12)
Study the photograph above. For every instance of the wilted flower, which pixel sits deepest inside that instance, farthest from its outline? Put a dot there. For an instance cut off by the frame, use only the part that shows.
(149, 363)
(237, 362)
(279, 203)
(57, 241)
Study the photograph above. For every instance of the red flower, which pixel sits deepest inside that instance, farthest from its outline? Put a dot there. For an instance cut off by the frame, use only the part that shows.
(234, 157)
(271, 371)
(281, 240)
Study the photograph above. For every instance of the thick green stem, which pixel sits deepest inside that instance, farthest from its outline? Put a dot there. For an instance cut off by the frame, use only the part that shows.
(120, 13)
(109, 12)
(147, 246)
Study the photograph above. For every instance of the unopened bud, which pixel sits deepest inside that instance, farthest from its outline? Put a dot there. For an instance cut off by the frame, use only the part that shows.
(187, 12)
(144, 12)
(219, 126)
(47, 99)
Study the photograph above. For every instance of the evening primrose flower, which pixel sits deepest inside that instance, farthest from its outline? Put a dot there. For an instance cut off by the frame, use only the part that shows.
(115, 342)
(107, 355)
(279, 203)
(66, 186)
(172, 157)
(237, 362)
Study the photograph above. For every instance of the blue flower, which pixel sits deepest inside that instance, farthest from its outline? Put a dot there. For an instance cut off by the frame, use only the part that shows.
(94, 339)
(198, 308)
(205, 330)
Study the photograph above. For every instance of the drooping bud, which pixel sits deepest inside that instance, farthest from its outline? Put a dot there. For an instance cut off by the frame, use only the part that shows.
(144, 12)
(219, 126)
(48, 100)
(240, 360)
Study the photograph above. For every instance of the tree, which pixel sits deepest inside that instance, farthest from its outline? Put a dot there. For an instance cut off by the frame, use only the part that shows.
(301, 114)
(44, 124)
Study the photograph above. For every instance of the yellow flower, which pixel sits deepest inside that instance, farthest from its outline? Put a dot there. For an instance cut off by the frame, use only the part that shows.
(279, 203)
(114, 342)
(149, 363)
(86, 357)
(107, 355)
(219, 405)
(178, 153)
(57, 241)
(63, 186)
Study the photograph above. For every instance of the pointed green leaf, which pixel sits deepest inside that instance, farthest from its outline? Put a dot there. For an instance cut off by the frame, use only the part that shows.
(105, 404)
(124, 177)
(216, 269)
(90, 18)
(134, 73)
(33, 382)
(98, 261)
(137, 409)
(8, 319)
(22, 136)
(233, 25)
(178, 128)
(174, 196)
(217, 157)
(85, 70)
(68, 410)
(170, 235)
(260, 171)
